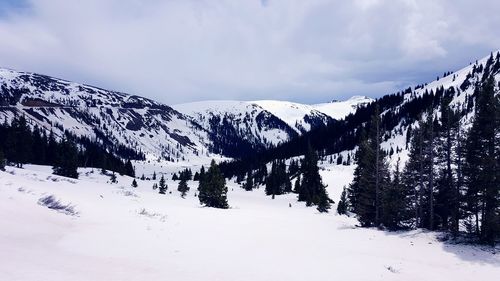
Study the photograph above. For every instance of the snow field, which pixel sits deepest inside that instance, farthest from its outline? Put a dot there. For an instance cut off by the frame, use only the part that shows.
(125, 233)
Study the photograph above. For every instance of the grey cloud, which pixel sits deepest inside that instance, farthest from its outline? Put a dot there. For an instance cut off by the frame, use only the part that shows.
(307, 51)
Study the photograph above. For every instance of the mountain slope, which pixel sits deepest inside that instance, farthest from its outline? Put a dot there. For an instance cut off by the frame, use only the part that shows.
(300, 117)
(108, 116)
(203, 129)
(399, 112)
(256, 125)
(340, 109)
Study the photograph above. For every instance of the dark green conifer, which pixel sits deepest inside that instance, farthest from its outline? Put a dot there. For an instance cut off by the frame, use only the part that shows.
(213, 189)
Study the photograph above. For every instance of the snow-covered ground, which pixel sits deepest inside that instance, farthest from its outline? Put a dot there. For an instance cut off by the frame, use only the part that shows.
(117, 232)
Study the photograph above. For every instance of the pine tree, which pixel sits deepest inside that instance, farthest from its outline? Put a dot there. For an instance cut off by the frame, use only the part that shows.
(202, 177)
(419, 172)
(2, 161)
(183, 188)
(447, 198)
(312, 189)
(113, 178)
(342, 206)
(294, 168)
(278, 182)
(162, 185)
(129, 169)
(323, 204)
(460, 183)
(134, 183)
(430, 148)
(370, 176)
(395, 203)
(67, 162)
(155, 186)
(482, 163)
(213, 189)
(154, 176)
(240, 177)
(249, 185)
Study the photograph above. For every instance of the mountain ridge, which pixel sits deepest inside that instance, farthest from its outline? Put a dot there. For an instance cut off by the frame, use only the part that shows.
(157, 129)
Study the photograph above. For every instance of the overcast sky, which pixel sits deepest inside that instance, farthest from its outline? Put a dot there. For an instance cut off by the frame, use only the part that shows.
(301, 50)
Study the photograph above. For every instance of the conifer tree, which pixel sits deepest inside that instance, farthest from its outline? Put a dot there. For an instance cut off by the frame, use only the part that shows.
(312, 189)
(134, 183)
(162, 185)
(183, 187)
(323, 204)
(2, 161)
(201, 178)
(67, 162)
(430, 152)
(395, 203)
(482, 163)
(129, 169)
(419, 172)
(278, 182)
(342, 206)
(113, 178)
(447, 197)
(212, 188)
(154, 176)
(457, 212)
(370, 177)
(249, 185)
(294, 168)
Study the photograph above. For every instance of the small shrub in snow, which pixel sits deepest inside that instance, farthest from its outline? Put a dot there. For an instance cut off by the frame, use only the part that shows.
(152, 215)
(128, 193)
(51, 202)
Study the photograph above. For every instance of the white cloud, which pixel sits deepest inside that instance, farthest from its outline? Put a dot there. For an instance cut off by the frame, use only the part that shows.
(316, 50)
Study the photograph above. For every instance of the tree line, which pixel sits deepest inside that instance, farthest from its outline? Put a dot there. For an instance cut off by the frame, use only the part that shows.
(451, 181)
(20, 144)
(308, 185)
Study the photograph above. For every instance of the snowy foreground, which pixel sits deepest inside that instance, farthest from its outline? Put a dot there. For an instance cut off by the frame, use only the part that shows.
(116, 232)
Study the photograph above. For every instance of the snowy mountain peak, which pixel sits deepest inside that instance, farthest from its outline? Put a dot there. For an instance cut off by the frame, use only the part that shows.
(340, 109)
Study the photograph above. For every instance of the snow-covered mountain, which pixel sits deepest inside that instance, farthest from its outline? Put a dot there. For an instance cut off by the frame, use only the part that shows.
(400, 113)
(459, 85)
(304, 117)
(340, 109)
(107, 116)
(263, 123)
(187, 131)
(247, 122)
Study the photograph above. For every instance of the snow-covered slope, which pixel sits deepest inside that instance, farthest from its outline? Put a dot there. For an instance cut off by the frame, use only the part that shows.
(340, 109)
(203, 129)
(246, 120)
(54, 228)
(267, 122)
(301, 117)
(462, 85)
(132, 121)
